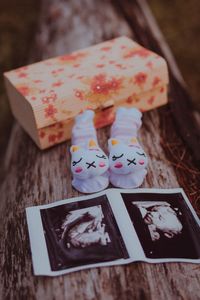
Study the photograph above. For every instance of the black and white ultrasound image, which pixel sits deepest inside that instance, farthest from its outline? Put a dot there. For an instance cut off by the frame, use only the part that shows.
(80, 233)
(164, 224)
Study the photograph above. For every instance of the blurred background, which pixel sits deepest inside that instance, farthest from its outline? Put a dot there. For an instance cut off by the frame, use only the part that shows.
(178, 20)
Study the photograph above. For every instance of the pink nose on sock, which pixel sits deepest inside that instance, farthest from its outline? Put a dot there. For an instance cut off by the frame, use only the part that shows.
(78, 170)
(101, 164)
(118, 165)
(141, 162)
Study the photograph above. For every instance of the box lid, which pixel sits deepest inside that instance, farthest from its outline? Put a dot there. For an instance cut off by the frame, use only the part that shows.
(61, 87)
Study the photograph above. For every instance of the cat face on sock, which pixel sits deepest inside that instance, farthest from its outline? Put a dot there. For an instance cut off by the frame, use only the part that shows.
(126, 158)
(87, 163)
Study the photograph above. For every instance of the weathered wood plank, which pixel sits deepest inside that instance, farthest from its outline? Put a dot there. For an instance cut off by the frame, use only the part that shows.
(34, 177)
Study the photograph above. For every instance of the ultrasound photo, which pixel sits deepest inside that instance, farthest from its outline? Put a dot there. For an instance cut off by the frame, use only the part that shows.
(164, 225)
(161, 219)
(81, 233)
(84, 227)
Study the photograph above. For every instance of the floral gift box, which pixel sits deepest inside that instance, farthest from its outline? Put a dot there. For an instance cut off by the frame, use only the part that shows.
(46, 96)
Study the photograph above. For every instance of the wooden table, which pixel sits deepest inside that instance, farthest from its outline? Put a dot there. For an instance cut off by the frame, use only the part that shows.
(170, 137)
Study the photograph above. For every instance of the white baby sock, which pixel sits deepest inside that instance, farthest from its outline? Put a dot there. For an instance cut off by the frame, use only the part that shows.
(127, 159)
(89, 163)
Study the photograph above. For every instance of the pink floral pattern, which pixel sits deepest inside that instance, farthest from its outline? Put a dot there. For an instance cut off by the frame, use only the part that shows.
(37, 81)
(59, 88)
(102, 85)
(149, 64)
(156, 81)
(55, 138)
(140, 78)
(129, 100)
(22, 75)
(57, 83)
(105, 49)
(24, 90)
(141, 52)
(50, 97)
(50, 111)
(79, 94)
(151, 100)
(74, 57)
(100, 65)
(162, 89)
(42, 134)
(57, 71)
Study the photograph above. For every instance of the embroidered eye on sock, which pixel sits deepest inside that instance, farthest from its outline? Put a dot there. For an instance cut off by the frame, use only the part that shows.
(127, 160)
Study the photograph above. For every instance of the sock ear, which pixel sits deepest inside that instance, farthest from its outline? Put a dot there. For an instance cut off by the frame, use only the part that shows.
(133, 141)
(92, 143)
(74, 148)
(113, 142)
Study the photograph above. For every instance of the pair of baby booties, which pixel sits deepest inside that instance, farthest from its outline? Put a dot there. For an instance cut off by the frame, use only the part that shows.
(126, 165)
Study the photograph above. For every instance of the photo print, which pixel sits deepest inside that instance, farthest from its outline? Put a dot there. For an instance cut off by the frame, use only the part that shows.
(113, 227)
(164, 224)
(82, 232)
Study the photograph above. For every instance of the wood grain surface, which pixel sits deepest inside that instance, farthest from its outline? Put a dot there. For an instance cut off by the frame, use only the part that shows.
(36, 177)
